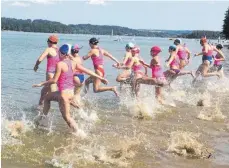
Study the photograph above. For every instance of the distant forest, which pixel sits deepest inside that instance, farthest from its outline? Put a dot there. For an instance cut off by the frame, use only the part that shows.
(45, 26)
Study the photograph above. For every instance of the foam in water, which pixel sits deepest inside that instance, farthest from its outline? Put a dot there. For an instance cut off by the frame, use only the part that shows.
(44, 122)
(141, 110)
(13, 129)
(86, 116)
(213, 114)
(187, 144)
(80, 133)
(94, 153)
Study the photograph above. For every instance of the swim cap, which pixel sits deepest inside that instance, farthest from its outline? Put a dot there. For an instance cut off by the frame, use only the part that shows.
(93, 41)
(156, 49)
(172, 47)
(203, 40)
(76, 47)
(53, 39)
(65, 49)
(219, 46)
(177, 41)
(130, 45)
(136, 50)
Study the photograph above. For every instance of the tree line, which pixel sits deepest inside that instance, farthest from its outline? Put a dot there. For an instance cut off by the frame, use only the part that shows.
(203, 33)
(46, 26)
(226, 24)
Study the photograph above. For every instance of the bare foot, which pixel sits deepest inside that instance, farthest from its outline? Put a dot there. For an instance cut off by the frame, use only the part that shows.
(115, 91)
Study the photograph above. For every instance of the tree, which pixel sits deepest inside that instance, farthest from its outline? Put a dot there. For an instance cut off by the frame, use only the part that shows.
(226, 25)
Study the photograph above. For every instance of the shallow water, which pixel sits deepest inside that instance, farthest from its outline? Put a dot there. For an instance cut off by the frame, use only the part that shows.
(119, 131)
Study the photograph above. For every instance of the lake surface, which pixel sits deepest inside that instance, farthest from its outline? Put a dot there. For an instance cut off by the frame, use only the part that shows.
(177, 135)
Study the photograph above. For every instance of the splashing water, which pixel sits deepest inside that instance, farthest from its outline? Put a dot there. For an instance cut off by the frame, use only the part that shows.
(186, 144)
(212, 114)
(95, 153)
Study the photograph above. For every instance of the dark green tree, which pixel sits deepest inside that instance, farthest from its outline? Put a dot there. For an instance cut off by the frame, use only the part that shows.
(226, 25)
(47, 26)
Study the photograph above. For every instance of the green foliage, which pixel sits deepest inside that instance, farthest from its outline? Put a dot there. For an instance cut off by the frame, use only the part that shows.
(46, 26)
(202, 33)
(226, 25)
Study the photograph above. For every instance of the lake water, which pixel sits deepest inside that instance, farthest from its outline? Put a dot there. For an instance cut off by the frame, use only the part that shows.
(182, 135)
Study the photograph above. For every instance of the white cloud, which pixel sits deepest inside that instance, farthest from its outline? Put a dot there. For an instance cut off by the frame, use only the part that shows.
(26, 3)
(21, 4)
(45, 2)
(96, 2)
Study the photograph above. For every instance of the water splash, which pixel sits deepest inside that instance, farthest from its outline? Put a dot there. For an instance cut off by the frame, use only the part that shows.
(212, 114)
(94, 153)
(187, 144)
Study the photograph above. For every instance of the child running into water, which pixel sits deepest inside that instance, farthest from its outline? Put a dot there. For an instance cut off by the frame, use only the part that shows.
(157, 74)
(78, 75)
(218, 59)
(64, 78)
(207, 53)
(134, 64)
(183, 53)
(96, 54)
(52, 58)
(174, 64)
(127, 58)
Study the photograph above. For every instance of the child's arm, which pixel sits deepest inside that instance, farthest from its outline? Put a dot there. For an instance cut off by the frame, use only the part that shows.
(88, 55)
(41, 58)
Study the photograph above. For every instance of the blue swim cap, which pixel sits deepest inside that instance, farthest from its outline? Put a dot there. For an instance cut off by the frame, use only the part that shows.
(177, 41)
(130, 45)
(65, 49)
(172, 47)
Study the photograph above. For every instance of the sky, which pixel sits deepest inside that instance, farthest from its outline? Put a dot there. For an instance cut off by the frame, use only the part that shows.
(166, 14)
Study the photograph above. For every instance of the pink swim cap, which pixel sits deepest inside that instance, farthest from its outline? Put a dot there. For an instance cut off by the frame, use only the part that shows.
(155, 50)
(76, 47)
(136, 50)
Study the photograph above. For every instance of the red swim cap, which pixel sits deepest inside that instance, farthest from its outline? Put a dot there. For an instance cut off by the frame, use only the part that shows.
(156, 49)
(53, 38)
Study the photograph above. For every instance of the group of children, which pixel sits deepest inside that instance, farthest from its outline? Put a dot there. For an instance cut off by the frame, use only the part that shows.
(65, 69)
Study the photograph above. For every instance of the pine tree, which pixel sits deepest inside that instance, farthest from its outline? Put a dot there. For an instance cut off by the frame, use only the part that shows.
(226, 25)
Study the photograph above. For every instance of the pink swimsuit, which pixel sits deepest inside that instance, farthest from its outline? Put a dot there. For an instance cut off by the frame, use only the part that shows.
(52, 61)
(137, 68)
(97, 61)
(175, 62)
(157, 71)
(65, 80)
(182, 54)
(207, 56)
(216, 62)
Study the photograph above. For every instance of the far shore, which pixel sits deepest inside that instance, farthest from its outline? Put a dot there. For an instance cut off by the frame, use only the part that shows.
(172, 38)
